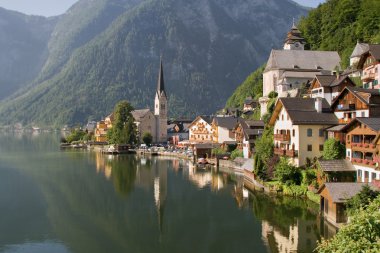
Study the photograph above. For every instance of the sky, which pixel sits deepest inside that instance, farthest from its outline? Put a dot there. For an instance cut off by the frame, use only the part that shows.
(56, 7)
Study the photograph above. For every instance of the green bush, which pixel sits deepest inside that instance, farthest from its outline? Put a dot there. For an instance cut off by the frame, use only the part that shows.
(76, 135)
(287, 173)
(309, 176)
(218, 151)
(333, 149)
(236, 153)
(295, 190)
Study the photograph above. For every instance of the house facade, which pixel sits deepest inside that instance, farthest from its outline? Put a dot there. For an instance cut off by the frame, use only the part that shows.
(223, 129)
(299, 125)
(355, 102)
(145, 122)
(363, 146)
(369, 64)
(246, 133)
(201, 131)
(329, 86)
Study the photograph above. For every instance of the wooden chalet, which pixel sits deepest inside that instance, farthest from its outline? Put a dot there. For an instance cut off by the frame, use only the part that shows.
(329, 86)
(355, 102)
(362, 147)
(369, 63)
(335, 171)
(200, 130)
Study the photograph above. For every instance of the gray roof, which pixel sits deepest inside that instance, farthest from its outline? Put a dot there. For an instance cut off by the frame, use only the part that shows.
(336, 165)
(304, 59)
(302, 111)
(373, 123)
(341, 192)
(255, 123)
(359, 49)
(138, 114)
(226, 122)
(367, 96)
(336, 128)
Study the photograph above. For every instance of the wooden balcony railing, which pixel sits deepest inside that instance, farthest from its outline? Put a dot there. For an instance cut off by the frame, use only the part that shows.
(366, 147)
(365, 162)
(278, 151)
(282, 137)
(291, 153)
(369, 77)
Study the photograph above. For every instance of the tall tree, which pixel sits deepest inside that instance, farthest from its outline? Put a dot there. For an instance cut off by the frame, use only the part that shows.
(124, 129)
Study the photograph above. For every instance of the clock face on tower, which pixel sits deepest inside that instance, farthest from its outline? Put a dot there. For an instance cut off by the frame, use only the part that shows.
(297, 44)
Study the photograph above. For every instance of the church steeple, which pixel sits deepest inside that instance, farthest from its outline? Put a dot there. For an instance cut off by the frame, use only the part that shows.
(160, 82)
(294, 39)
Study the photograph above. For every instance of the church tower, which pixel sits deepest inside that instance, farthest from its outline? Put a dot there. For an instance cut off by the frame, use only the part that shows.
(161, 107)
(294, 40)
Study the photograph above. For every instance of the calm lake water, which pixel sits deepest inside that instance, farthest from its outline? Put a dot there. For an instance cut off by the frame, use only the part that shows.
(82, 202)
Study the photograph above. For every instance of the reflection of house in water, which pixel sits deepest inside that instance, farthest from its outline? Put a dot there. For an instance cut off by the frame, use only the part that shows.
(277, 241)
(102, 166)
(203, 178)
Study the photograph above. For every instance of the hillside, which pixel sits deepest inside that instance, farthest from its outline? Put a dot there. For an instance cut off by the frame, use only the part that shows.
(336, 26)
(23, 48)
(103, 51)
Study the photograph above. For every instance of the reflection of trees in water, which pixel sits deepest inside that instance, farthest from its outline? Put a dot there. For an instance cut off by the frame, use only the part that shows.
(281, 211)
(123, 173)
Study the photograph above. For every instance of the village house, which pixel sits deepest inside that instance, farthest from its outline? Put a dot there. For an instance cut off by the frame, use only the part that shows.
(329, 86)
(223, 130)
(335, 171)
(299, 125)
(359, 49)
(246, 133)
(145, 120)
(362, 147)
(288, 70)
(249, 104)
(201, 131)
(369, 63)
(333, 198)
(355, 102)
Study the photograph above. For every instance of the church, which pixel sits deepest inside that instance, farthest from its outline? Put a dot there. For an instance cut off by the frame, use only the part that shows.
(146, 121)
(287, 70)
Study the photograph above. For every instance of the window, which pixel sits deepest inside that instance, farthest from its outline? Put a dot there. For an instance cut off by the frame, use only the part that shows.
(326, 206)
(321, 147)
(309, 147)
(321, 132)
(309, 132)
(282, 117)
(294, 133)
(360, 173)
(348, 153)
(366, 174)
(373, 176)
(363, 114)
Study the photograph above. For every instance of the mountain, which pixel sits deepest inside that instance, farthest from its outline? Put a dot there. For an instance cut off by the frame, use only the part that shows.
(102, 51)
(333, 26)
(23, 48)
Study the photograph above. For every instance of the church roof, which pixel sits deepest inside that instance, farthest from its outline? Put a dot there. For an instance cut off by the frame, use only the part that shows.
(138, 114)
(160, 82)
(303, 60)
(294, 35)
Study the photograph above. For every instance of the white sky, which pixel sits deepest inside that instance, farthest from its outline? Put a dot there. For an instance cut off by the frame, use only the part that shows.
(56, 7)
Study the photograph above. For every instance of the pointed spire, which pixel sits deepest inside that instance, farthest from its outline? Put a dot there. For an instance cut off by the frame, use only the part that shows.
(161, 83)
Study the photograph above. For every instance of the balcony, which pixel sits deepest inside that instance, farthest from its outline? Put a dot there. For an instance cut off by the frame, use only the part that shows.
(346, 107)
(365, 162)
(364, 147)
(279, 151)
(369, 77)
(282, 137)
(291, 153)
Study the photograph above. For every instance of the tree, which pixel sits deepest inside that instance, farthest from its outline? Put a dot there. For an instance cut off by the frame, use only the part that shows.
(147, 138)
(362, 234)
(333, 149)
(362, 199)
(76, 135)
(236, 153)
(123, 130)
(263, 153)
(287, 173)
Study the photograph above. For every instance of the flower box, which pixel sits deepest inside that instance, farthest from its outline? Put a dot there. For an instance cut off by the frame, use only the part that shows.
(366, 145)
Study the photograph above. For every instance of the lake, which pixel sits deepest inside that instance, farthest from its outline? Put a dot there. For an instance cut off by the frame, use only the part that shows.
(62, 201)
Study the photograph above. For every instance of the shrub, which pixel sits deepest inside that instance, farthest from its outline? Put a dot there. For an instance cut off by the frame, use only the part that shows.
(236, 153)
(287, 173)
(333, 149)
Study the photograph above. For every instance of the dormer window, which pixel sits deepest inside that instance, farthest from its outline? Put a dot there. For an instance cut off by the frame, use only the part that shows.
(318, 67)
(296, 66)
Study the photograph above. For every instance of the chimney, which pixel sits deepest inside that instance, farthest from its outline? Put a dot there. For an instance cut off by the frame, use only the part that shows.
(318, 104)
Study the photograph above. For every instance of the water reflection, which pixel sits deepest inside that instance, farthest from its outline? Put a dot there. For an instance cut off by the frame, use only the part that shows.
(89, 202)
